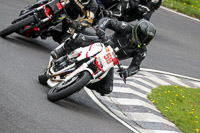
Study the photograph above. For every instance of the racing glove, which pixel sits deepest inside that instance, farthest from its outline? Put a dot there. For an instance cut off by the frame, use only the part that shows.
(143, 9)
(100, 33)
(123, 73)
(107, 13)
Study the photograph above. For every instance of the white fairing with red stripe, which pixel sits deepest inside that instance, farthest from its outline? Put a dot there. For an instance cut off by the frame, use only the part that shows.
(97, 50)
(89, 51)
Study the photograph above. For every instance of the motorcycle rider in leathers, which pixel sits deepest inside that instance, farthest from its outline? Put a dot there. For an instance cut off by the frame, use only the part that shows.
(81, 14)
(126, 9)
(130, 39)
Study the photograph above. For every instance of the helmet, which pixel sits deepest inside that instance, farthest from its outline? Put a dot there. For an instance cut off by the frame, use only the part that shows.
(85, 2)
(154, 3)
(82, 3)
(143, 32)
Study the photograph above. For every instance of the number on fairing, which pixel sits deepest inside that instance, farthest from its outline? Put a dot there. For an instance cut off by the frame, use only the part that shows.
(108, 58)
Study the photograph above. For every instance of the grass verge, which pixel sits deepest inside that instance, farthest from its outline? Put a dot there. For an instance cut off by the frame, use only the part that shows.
(189, 7)
(179, 105)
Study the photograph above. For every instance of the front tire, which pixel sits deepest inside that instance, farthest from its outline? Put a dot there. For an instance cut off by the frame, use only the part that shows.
(16, 26)
(57, 93)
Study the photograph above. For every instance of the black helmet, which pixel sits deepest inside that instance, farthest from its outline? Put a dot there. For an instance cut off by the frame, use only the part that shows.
(84, 2)
(143, 32)
(154, 4)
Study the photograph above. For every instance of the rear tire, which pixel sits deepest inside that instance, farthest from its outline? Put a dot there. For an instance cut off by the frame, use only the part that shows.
(16, 26)
(55, 94)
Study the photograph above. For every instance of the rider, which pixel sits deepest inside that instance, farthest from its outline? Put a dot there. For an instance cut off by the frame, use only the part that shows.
(144, 8)
(81, 14)
(114, 8)
(130, 39)
(152, 5)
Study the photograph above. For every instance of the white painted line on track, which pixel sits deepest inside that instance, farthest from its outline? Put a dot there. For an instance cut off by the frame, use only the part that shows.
(176, 80)
(168, 73)
(148, 117)
(136, 85)
(196, 83)
(180, 14)
(94, 98)
(134, 102)
(125, 117)
(156, 79)
(164, 72)
(128, 90)
(161, 131)
(147, 83)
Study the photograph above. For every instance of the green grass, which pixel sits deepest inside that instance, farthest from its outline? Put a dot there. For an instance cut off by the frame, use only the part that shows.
(189, 7)
(179, 105)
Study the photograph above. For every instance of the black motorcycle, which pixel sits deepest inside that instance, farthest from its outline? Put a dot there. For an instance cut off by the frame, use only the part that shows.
(38, 18)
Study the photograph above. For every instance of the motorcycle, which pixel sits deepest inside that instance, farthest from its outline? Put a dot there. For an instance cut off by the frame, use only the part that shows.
(70, 73)
(38, 18)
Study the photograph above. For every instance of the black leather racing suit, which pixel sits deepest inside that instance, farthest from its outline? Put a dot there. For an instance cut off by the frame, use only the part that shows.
(84, 13)
(152, 8)
(115, 8)
(122, 38)
(128, 10)
(82, 16)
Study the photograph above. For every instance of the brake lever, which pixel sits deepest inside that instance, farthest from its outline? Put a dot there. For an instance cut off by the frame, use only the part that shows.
(121, 69)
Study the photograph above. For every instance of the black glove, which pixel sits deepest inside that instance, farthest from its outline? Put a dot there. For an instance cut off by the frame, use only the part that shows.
(107, 13)
(143, 9)
(100, 33)
(123, 73)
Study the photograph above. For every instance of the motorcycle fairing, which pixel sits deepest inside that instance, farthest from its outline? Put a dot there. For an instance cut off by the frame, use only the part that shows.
(90, 51)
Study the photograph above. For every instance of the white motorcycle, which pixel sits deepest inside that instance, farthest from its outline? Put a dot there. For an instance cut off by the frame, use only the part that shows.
(72, 72)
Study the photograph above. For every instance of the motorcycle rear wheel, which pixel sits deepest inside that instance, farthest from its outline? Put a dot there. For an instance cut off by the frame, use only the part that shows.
(56, 93)
(16, 26)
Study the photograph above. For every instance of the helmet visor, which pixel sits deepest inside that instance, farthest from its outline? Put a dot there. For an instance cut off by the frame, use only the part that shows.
(147, 40)
(143, 36)
(154, 1)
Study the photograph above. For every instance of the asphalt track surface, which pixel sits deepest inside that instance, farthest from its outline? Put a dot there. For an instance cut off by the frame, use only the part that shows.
(23, 103)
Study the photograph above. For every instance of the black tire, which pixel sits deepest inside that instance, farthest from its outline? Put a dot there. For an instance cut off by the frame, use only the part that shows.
(43, 78)
(82, 79)
(16, 26)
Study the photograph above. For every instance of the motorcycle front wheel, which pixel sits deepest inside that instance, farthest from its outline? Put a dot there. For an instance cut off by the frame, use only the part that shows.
(16, 26)
(63, 90)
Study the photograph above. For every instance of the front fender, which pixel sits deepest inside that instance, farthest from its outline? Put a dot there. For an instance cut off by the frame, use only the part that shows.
(90, 71)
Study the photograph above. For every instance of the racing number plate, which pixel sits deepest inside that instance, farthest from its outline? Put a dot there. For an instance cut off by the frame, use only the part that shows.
(108, 58)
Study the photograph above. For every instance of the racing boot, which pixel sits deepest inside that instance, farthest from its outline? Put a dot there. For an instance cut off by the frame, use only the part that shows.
(58, 52)
(61, 37)
(63, 49)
